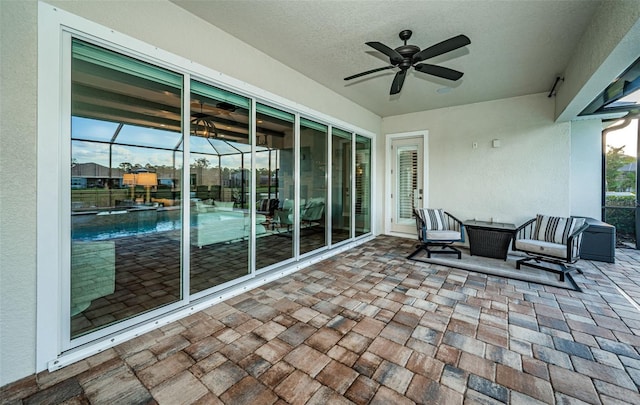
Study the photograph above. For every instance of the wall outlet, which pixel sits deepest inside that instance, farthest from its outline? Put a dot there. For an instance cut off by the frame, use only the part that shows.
(474, 145)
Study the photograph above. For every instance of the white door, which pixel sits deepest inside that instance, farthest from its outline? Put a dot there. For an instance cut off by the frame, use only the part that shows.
(407, 182)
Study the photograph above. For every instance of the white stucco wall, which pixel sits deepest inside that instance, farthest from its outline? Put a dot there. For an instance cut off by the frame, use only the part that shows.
(529, 173)
(18, 33)
(156, 25)
(586, 168)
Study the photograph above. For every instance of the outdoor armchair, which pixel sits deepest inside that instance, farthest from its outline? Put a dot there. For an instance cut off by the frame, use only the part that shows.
(437, 231)
(552, 240)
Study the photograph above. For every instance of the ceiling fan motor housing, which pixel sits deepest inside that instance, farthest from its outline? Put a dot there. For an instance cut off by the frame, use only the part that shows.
(407, 52)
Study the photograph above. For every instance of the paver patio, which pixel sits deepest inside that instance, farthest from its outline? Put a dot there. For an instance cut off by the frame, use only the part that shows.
(369, 326)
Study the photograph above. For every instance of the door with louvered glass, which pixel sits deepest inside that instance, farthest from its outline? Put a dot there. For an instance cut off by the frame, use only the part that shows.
(406, 176)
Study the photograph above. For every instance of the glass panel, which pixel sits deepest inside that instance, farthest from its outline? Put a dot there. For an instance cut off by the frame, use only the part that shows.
(220, 183)
(363, 185)
(407, 170)
(340, 185)
(621, 182)
(275, 188)
(125, 199)
(313, 186)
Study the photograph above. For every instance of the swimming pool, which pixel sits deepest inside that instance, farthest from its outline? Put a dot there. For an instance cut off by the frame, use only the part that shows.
(124, 223)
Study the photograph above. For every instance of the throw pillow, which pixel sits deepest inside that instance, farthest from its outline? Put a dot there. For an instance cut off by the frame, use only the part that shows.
(555, 229)
(433, 219)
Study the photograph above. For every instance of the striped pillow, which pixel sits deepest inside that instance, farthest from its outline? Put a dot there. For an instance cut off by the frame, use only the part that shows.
(555, 229)
(433, 219)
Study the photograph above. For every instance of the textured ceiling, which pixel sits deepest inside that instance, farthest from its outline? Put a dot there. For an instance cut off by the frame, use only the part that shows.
(517, 47)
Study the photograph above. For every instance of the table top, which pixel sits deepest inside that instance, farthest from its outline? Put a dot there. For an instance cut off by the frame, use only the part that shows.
(472, 223)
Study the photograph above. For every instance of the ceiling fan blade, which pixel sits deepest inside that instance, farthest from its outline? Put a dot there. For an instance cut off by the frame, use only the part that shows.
(393, 55)
(368, 72)
(442, 47)
(398, 81)
(439, 71)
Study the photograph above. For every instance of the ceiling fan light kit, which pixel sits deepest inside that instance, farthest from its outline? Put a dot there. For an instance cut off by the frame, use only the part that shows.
(407, 56)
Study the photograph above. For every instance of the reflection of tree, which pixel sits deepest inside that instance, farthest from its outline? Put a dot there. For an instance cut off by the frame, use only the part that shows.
(125, 167)
(202, 163)
(616, 179)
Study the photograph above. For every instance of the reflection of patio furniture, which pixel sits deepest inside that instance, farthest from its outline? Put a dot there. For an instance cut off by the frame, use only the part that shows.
(312, 211)
(267, 206)
(205, 206)
(552, 240)
(437, 228)
(489, 239)
(93, 273)
(202, 192)
(284, 218)
(284, 215)
(224, 226)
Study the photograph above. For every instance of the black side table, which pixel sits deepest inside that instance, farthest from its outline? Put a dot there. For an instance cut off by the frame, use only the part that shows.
(489, 239)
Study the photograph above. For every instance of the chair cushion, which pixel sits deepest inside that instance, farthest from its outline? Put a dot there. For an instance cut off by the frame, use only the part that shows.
(433, 219)
(542, 247)
(555, 229)
(443, 235)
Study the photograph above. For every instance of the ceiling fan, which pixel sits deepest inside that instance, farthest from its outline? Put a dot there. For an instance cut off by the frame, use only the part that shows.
(406, 56)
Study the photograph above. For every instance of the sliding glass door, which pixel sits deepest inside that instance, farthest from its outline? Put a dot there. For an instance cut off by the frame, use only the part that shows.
(125, 193)
(147, 235)
(313, 186)
(275, 189)
(340, 185)
(220, 183)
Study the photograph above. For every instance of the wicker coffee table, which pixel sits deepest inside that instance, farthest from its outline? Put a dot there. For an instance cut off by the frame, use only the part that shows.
(489, 239)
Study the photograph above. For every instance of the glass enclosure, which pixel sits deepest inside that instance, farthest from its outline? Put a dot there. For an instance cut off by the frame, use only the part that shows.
(126, 166)
(621, 182)
(313, 185)
(340, 185)
(220, 183)
(130, 255)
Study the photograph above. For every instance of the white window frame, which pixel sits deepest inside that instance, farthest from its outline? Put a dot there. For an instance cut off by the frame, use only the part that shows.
(55, 28)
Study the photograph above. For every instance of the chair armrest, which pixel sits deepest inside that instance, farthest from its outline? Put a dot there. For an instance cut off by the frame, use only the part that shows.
(573, 243)
(524, 231)
(455, 224)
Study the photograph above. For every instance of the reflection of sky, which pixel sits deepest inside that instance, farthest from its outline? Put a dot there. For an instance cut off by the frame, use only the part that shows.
(627, 137)
(90, 129)
(133, 135)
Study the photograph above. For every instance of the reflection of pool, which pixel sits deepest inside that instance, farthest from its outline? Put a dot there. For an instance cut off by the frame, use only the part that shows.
(123, 223)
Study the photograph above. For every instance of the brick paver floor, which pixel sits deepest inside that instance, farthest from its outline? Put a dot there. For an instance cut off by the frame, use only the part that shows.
(370, 327)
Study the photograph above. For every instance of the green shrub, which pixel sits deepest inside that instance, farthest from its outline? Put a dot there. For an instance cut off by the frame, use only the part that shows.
(620, 212)
(620, 201)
